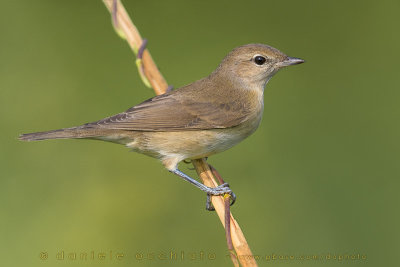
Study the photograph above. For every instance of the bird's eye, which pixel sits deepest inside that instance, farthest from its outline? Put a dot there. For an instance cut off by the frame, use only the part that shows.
(259, 60)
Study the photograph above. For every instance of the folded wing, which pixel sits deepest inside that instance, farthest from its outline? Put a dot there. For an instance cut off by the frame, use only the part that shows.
(170, 113)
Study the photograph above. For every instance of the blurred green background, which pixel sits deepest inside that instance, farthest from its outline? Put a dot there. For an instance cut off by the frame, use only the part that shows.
(319, 177)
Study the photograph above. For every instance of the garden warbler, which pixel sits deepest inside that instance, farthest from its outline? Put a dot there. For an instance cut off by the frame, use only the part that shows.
(195, 121)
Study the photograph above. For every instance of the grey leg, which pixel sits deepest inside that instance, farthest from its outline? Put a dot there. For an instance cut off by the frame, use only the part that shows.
(211, 191)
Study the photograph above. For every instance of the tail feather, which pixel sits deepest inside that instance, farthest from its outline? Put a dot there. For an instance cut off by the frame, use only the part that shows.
(66, 133)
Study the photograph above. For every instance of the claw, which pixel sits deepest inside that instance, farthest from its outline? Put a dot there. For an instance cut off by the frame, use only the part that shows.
(224, 185)
(209, 205)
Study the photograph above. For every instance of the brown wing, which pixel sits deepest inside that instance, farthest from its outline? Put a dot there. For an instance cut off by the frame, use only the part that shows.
(172, 112)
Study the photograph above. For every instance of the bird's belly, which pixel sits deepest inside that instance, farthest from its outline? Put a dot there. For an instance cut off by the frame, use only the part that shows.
(190, 144)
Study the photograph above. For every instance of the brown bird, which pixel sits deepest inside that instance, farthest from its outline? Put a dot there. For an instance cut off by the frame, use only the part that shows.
(195, 121)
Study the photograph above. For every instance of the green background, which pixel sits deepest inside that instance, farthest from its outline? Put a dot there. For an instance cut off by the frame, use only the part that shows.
(319, 177)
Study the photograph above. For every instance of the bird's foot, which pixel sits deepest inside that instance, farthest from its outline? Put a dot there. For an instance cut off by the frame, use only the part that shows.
(218, 191)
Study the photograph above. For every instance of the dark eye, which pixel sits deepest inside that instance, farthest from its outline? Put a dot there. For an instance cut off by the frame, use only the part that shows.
(259, 60)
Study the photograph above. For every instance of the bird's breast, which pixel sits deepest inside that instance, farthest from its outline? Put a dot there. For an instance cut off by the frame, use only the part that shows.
(229, 137)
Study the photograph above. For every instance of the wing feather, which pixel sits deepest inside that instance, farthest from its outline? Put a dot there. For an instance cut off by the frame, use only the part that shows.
(172, 112)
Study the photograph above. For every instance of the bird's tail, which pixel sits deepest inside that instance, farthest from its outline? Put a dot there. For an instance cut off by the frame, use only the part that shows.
(66, 133)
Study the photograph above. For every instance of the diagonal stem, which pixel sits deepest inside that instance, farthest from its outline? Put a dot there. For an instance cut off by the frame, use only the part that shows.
(128, 31)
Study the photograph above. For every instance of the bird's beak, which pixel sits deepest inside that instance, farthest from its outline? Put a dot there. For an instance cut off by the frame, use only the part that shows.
(289, 61)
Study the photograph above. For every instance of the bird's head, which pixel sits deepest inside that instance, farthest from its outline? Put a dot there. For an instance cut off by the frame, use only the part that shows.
(254, 64)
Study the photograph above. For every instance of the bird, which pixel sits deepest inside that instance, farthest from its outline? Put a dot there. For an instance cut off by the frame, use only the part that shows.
(195, 121)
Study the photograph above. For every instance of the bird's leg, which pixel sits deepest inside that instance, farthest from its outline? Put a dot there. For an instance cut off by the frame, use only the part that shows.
(211, 191)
